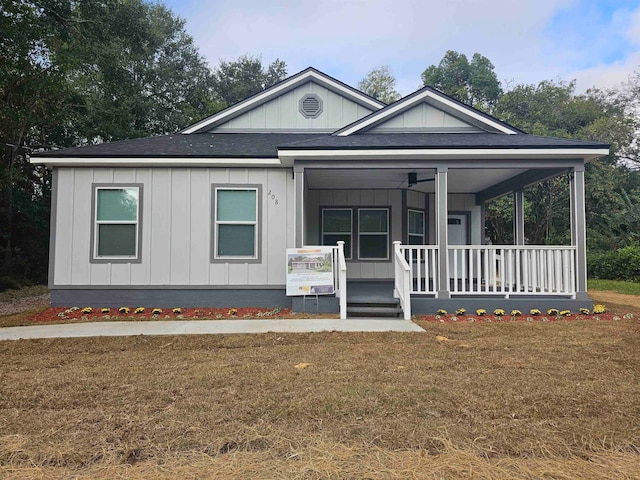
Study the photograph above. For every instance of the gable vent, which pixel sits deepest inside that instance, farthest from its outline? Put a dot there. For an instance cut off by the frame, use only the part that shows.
(310, 105)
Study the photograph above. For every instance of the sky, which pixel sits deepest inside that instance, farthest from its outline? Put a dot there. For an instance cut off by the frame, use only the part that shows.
(597, 43)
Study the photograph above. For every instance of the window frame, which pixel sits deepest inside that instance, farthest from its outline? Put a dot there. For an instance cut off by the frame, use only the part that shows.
(95, 223)
(409, 234)
(257, 223)
(347, 255)
(386, 234)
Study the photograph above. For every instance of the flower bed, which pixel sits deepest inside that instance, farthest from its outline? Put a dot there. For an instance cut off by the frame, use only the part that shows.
(87, 314)
(61, 314)
(488, 318)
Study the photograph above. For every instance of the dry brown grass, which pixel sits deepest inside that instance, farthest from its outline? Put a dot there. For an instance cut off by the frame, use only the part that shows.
(512, 400)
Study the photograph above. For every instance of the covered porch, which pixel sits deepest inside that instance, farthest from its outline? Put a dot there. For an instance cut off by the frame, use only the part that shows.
(436, 254)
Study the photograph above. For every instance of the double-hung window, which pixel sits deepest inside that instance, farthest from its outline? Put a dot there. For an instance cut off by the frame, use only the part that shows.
(415, 227)
(235, 223)
(373, 233)
(337, 224)
(116, 226)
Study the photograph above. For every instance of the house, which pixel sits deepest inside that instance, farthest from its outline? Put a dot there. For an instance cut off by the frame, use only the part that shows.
(204, 217)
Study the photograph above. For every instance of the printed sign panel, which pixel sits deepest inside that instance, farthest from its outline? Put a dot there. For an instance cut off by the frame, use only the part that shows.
(309, 271)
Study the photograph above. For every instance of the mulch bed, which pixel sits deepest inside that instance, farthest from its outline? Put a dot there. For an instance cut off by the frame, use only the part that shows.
(607, 316)
(64, 315)
(58, 314)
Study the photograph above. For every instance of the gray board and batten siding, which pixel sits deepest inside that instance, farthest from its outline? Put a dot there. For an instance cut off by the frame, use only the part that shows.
(424, 117)
(176, 229)
(284, 113)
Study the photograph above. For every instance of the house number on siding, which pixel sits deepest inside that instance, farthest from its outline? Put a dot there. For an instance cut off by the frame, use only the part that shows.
(273, 197)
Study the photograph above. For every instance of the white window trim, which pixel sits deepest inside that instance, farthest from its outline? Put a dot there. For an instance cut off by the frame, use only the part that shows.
(409, 234)
(347, 255)
(97, 223)
(386, 234)
(217, 222)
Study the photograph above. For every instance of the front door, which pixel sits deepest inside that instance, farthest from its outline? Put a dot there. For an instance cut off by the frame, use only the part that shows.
(458, 235)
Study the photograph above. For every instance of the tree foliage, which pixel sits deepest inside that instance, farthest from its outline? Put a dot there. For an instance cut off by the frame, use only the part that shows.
(612, 188)
(472, 82)
(236, 80)
(83, 72)
(381, 84)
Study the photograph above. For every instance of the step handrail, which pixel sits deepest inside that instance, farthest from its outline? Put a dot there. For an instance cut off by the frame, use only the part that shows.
(342, 280)
(402, 280)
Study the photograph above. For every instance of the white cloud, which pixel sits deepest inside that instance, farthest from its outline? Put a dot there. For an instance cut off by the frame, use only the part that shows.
(633, 33)
(346, 38)
(607, 76)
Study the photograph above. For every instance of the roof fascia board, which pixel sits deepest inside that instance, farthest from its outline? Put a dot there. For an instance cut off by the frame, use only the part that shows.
(446, 153)
(133, 162)
(460, 164)
(436, 97)
(279, 89)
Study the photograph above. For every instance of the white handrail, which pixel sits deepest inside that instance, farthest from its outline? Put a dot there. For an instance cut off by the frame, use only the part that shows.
(402, 282)
(341, 291)
(423, 260)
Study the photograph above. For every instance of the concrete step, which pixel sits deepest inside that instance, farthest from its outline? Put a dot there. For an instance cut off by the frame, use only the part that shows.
(374, 310)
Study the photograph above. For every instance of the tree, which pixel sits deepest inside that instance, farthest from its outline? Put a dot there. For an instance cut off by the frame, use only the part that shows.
(151, 78)
(554, 109)
(379, 83)
(474, 83)
(82, 72)
(246, 76)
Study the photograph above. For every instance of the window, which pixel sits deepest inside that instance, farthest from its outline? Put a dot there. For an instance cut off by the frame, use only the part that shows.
(337, 224)
(373, 233)
(415, 227)
(116, 230)
(235, 223)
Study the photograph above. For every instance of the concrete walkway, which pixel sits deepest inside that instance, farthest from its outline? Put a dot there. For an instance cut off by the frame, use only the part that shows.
(202, 327)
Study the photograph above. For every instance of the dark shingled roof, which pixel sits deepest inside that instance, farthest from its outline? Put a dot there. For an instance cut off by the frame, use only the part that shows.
(205, 145)
(266, 145)
(437, 140)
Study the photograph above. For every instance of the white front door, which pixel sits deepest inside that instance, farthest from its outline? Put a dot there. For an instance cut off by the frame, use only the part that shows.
(457, 228)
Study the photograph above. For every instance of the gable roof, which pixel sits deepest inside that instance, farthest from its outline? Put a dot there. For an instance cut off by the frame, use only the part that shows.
(439, 100)
(309, 74)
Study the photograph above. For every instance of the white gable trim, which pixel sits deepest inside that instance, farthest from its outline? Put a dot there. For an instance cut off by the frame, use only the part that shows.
(280, 88)
(427, 94)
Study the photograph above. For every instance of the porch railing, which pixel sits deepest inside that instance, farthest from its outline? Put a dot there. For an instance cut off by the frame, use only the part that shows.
(512, 269)
(423, 260)
(402, 282)
(494, 269)
(340, 277)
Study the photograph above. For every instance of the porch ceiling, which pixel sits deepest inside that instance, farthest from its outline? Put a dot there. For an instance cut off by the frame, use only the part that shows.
(460, 180)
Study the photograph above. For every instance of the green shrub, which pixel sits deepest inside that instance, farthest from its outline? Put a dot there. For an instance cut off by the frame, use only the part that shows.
(621, 264)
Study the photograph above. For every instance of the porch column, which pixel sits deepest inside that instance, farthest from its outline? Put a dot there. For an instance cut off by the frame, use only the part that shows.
(442, 231)
(579, 230)
(518, 217)
(298, 179)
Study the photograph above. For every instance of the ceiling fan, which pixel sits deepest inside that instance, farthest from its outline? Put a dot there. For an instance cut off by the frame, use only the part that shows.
(413, 179)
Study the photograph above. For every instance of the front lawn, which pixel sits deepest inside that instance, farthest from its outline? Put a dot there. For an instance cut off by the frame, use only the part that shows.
(618, 286)
(463, 400)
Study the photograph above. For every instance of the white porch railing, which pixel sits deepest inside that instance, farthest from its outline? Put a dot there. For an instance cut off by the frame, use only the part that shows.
(340, 277)
(494, 269)
(512, 270)
(423, 260)
(403, 281)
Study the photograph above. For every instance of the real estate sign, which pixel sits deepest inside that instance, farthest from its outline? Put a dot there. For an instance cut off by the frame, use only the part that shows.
(310, 271)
